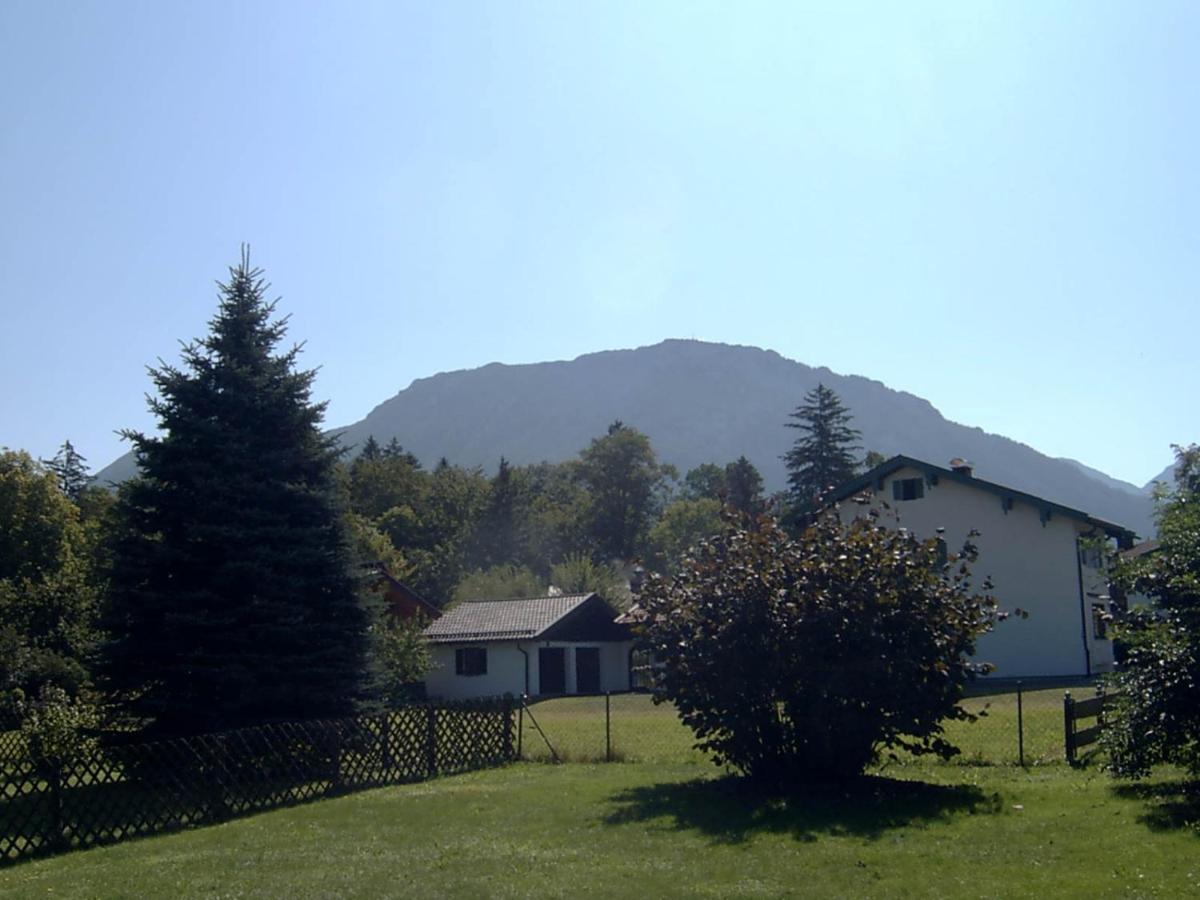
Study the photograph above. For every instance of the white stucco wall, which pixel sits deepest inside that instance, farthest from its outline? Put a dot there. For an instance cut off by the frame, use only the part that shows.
(506, 669)
(1033, 566)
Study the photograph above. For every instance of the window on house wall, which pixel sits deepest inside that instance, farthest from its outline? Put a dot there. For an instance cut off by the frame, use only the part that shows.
(908, 488)
(1090, 556)
(470, 661)
(1099, 622)
(943, 554)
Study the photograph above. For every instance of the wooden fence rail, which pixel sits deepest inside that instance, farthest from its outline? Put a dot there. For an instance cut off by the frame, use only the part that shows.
(1076, 738)
(120, 791)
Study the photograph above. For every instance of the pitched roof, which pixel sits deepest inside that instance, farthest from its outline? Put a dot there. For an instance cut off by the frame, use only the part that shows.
(503, 620)
(874, 478)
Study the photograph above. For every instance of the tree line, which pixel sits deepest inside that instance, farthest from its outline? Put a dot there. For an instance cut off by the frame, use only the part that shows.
(230, 582)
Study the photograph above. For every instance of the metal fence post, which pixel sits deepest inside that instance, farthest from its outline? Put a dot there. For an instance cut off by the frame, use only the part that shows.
(521, 727)
(607, 727)
(1069, 728)
(1020, 729)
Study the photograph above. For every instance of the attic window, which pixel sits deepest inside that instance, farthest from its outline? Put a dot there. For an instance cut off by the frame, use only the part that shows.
(470, 661)
(908, 489)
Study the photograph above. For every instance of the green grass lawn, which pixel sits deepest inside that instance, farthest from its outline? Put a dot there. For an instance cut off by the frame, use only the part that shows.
(643, 732)
(645, 830)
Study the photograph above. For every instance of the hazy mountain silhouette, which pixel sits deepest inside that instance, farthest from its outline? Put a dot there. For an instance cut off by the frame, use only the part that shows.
(700, 402)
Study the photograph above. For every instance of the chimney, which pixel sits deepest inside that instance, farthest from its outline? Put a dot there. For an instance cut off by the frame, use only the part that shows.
(961, 466)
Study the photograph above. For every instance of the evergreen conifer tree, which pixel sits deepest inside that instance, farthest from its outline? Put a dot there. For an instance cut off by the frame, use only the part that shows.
(822, 456)
(233, 595)
(744, 487)
(371, 450)
(70, 468)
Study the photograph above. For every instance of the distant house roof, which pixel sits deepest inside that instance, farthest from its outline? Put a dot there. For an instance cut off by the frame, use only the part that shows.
(405, 603)
(565, 617)
(874, 479)
(1145, 548)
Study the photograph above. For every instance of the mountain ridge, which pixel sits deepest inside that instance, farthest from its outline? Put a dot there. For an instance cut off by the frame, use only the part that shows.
(699, 402)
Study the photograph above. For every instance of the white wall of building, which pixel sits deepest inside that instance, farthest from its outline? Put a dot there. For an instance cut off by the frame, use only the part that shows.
(506, 669)
(1033, 566)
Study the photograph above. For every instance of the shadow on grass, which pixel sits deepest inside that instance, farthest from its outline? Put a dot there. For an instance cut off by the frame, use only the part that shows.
(1170, 805)
(732, 810)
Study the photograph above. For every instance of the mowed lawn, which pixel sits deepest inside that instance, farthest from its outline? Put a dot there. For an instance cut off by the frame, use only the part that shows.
(655, 829)
(640, 731)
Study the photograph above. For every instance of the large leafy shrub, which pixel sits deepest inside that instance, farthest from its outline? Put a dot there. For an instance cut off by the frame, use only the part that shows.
(803, 659)
(1156, 714)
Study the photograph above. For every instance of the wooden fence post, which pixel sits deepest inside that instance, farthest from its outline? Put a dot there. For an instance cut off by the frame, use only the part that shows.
(385, 733)
(430, 741)
(59, 837)
(508, 727)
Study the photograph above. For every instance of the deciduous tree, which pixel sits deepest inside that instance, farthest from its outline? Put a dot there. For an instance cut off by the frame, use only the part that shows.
(627, 485)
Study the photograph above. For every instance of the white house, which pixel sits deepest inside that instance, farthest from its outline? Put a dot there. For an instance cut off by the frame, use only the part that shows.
(1042, 557)
(568, 644)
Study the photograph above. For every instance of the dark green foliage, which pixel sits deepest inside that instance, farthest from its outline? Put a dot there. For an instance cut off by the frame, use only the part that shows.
(706, 481)
(233, 597)
(1156, 717)
(580, 574)
(822, 456)
(744, 488)
(500, 536)
(70, 468)
(504, 582)
(370, 450)
(799, 660)
(403, 657)
(435, 535)
(627, 486)
(683, 524)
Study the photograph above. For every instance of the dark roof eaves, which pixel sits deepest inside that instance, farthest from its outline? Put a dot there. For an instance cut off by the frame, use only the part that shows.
(900, 461)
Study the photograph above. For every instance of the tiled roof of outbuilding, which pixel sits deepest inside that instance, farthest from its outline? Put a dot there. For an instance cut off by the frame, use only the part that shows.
(502, 620)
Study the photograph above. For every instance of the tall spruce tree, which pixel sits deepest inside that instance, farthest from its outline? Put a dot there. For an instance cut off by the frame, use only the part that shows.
(822, 456)
(233, 597)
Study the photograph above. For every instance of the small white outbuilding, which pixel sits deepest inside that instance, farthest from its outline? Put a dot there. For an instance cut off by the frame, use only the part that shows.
(538, 646)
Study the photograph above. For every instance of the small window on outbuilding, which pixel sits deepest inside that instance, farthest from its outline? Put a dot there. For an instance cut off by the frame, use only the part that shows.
(908, 489)
(1099, 622)
(470, 661)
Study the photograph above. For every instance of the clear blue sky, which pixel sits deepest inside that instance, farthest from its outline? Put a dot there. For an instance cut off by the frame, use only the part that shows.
(993, 206)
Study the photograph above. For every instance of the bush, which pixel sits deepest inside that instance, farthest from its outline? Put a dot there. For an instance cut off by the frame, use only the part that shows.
(795, 660)
(1155, 717)
(57, 730)
(404, 658)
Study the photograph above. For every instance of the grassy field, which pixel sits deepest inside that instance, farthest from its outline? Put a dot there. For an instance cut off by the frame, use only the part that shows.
(637, 830)
(643, 732)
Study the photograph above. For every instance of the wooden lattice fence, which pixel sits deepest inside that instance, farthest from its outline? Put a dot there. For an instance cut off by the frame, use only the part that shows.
(120, 791)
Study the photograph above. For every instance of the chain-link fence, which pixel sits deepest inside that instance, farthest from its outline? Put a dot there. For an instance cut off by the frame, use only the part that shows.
(1017, 727)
